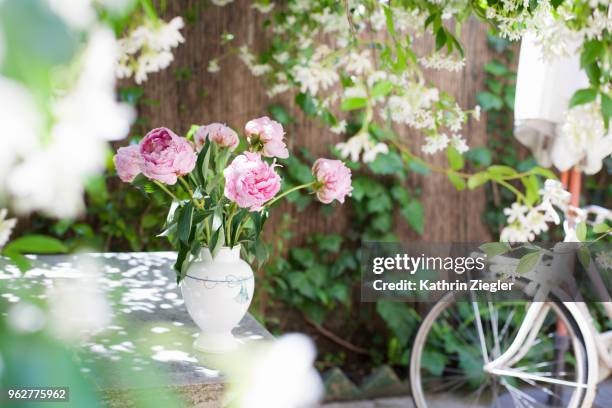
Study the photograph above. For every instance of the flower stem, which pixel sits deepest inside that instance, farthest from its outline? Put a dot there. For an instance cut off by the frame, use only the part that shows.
(165, 189)
(149, 9)
(188, 189)
(291, 190)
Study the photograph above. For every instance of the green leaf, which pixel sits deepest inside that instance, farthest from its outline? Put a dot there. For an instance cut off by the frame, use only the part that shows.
(606, 109)
(495, 248)
(590, 52)
(382, 88)
(400, 194)
(601, 228)
(399, 317)
(581, 231)
(489, 101)
(386, 164)
(440, 38)
(455, 159)
(477, 179)
(501, 171)
(413, 213)
(304, 256)
(418, 167)
(192, 131)
(185, 221)
(36, 244)
(584, 256)
(456, 180)
(330, 243)
(317, 275)
(22, 263)
(379, 203)
(528, 262)
(495, 68)
(306, 103)
(280, 114)
(479, 156)
(547, 173)
(353, 103)
(583, 96)
(532, 189)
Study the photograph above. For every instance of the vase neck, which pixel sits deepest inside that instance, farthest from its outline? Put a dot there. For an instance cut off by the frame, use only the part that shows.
(225, 254)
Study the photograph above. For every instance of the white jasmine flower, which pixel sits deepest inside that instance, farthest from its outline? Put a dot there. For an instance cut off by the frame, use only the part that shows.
(443, 62)
(550, 214)
(369, 154)
(6, 227)
(361, 143)
(358, 63)
(277, 89)
(282, 57)
(340, 127)
(516, 233)
(263, 7)
(260, 69)
(535, 221)
(148, 49)
(246, 56)
(476, 112)
(213, 66)
(554, 193)
(516, 212)
(435, 143)
(459, 143)
(584, 141)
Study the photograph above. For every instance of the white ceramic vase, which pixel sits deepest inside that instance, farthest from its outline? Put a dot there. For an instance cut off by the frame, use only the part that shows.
(217, 295)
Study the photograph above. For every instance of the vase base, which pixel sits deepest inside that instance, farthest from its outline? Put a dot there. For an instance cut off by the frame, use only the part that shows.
(215, 343)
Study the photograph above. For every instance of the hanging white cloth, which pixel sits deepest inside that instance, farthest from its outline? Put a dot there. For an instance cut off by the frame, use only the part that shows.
(543, 91)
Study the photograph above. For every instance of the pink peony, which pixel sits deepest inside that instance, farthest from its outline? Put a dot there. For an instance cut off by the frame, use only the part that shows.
(127, 162)
(333, 180)
(165, 156)
(267, 135)
(222, 135)
(250, 182)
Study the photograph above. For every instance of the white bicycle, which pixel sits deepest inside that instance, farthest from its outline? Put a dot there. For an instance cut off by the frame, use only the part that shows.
(546, 351)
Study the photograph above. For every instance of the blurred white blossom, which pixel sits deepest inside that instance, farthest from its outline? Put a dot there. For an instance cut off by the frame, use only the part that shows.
(25, 317)
(51, 176)
(78, 307)
(6, 227)
(221, 3)
(277, 375)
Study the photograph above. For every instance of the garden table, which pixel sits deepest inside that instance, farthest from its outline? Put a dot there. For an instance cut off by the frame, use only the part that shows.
(150, 330)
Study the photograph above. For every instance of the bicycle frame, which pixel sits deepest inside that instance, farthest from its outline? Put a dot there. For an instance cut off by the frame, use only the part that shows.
(597, 345)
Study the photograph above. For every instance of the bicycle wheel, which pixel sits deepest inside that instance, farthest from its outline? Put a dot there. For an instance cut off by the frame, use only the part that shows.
(452, 347)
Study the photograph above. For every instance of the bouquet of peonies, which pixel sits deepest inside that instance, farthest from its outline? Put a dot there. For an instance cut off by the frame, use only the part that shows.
(220, 192)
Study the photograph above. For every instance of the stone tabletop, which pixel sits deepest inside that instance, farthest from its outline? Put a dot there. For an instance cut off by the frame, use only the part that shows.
(149, 329)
